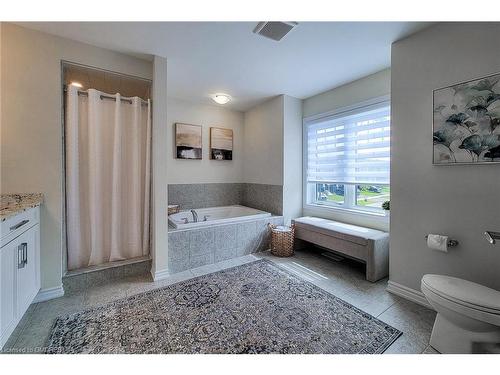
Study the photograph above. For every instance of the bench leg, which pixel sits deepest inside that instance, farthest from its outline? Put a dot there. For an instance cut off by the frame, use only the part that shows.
(372, 273)
(377, 261)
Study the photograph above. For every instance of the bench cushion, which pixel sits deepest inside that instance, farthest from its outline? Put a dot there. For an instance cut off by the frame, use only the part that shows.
(347, 232)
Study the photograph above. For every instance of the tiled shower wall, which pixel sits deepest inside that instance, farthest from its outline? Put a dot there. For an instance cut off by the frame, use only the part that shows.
(261, 196)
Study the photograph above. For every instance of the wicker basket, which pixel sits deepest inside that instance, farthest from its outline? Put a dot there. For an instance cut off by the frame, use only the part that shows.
(173, 209)
(282, 240)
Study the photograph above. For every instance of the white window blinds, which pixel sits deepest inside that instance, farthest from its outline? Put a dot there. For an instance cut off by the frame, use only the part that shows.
(351, 147)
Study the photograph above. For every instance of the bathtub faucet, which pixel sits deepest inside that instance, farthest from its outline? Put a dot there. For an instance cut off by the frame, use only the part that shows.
(195, 216)
(492, 237)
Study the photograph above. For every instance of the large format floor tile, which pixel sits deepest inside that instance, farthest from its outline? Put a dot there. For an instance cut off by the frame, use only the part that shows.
(406, 345)
(345, 279)
(414, 320)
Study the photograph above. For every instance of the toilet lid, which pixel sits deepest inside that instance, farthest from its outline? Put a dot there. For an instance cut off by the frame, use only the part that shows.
(464, 291)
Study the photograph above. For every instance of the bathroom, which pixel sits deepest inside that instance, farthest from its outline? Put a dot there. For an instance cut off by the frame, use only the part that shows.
(222, 174)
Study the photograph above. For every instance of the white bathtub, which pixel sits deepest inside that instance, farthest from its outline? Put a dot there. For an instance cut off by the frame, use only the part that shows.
(215, 215)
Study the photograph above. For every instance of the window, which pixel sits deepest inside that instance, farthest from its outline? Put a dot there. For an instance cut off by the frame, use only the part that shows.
(348, 158)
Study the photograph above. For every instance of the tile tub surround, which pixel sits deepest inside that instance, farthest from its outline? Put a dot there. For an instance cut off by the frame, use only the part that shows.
(196, 247)
(190, 196)
(264, 197)
(11, 204)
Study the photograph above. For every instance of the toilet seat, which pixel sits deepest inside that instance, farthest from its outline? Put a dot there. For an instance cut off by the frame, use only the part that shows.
(464, 293)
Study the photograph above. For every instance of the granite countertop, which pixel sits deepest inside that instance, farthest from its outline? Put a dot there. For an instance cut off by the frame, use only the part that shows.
(12, 204)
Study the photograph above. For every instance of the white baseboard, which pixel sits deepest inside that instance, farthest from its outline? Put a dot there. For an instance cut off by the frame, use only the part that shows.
(49, 293)
(160, 275)
(408, 293)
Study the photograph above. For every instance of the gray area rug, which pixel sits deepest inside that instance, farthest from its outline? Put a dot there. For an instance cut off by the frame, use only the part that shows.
(253, 308)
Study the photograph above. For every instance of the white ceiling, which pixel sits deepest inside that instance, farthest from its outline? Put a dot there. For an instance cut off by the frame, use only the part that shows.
(209, 57)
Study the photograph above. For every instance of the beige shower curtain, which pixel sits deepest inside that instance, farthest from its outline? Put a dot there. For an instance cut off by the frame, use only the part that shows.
(107, 178)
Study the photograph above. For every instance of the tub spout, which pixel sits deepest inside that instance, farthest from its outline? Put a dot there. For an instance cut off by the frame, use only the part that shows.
(492, 237)
(195, 216)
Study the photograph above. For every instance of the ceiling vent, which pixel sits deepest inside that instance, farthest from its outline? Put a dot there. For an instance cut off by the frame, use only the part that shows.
(274, 30)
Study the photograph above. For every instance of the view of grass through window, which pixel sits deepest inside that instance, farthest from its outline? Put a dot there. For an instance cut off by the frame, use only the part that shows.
(366, 195)
(372, 195)
(330, 193)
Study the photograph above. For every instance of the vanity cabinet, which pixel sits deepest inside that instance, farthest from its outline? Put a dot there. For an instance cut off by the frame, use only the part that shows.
(19, 268)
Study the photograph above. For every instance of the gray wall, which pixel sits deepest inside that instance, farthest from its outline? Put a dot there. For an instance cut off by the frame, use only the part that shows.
(460, 201)
(369, 87)
(292, 158)
(263, 143)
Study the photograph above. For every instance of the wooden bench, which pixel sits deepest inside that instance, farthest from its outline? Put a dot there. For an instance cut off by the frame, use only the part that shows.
(367, 245)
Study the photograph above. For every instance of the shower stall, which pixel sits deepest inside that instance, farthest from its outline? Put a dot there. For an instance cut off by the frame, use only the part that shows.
(107, 164)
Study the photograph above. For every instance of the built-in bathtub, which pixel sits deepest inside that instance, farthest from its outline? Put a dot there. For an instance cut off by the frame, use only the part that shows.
(228, 232)
(215, 215)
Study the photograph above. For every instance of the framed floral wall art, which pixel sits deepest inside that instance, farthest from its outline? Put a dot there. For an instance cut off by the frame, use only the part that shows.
(466, 122)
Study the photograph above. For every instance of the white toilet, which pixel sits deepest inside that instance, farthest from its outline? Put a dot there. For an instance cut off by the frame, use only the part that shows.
(468, 314)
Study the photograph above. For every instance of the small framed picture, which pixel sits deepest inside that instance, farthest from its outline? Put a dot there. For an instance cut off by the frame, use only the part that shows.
(221, 144)
(188, 141)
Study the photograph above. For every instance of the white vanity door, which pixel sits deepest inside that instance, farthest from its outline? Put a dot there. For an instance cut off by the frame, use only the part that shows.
(28, 282)
(8, 319)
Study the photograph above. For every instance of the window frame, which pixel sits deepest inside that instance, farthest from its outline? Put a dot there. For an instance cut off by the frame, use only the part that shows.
(309, 200)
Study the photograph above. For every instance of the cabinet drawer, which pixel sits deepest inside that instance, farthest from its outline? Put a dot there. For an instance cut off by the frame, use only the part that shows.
(17, 224)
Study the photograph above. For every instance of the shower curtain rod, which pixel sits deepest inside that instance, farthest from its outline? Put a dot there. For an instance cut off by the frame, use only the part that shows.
(85, 93)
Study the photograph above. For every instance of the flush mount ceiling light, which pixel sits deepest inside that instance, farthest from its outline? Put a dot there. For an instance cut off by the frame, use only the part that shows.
(221, 98)
(76, 84)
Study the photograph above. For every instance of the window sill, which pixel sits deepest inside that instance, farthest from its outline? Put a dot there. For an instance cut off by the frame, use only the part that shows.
(382, 216)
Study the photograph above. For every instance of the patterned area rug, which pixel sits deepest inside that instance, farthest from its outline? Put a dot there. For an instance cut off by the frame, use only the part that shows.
(253, 308)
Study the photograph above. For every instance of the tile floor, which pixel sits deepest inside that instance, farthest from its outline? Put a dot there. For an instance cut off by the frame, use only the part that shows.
(345, 279)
